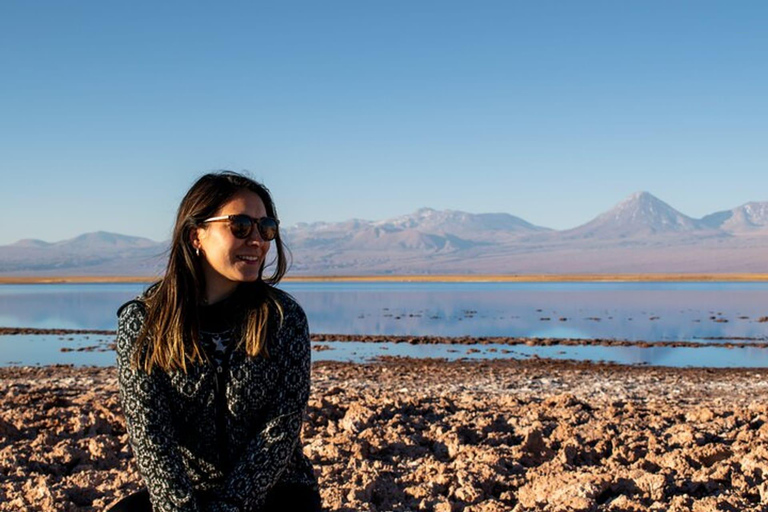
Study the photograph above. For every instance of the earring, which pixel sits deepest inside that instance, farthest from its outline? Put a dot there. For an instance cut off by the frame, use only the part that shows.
(197, 252)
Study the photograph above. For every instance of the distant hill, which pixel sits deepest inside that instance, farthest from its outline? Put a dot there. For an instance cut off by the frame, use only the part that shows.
(641, 214)
(98, 253)
(30, 242)
(640, 234)
(460, 224)
(748, 218)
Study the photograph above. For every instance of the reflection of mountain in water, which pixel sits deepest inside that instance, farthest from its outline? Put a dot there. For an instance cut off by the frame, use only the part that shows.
(644, 311)
(505, 309)
(64, 306)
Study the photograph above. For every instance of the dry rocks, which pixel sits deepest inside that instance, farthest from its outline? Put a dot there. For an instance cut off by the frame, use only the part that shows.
(412, 435)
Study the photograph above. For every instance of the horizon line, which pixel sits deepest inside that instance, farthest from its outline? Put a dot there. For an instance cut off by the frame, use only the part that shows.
(725, 277)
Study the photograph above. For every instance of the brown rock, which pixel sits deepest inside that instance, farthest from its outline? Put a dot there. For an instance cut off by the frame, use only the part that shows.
(405, 434)
(357, 418)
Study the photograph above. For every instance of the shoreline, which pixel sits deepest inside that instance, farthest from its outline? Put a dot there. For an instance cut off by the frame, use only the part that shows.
(705, 342)
(447, 278)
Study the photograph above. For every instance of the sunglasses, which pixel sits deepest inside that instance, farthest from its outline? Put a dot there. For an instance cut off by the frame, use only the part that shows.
(242, 225)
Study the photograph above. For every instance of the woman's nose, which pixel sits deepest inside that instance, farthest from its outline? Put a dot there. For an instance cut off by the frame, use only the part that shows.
(255, 236)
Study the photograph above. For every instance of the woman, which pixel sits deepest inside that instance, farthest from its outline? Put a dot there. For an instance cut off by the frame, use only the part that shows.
(214, 364)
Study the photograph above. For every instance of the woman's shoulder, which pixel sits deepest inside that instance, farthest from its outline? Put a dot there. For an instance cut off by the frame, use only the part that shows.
(288, 303)
(280, 302)
(130, 322)
(132, 308)
(289, 315)
(136, 307)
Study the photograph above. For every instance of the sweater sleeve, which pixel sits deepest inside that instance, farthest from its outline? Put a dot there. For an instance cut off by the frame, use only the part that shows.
(144, 399)
(269, 451)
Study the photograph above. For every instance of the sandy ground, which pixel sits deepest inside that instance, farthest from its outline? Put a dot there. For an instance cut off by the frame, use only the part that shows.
(431, 435)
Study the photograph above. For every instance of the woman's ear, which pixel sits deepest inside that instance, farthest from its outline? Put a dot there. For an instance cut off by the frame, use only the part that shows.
(194, 237)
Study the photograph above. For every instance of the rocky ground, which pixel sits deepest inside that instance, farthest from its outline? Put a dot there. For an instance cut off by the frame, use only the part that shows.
(430, 435)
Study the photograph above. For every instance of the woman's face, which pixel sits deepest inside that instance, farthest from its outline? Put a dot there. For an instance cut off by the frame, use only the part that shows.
(227, 260)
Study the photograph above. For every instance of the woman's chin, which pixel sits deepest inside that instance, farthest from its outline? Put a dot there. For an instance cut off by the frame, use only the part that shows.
(249, 276)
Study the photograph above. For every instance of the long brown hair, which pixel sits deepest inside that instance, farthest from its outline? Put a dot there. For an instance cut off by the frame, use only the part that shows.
(170, 337)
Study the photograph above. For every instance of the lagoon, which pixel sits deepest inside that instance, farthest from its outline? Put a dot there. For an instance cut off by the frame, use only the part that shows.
(632, 311)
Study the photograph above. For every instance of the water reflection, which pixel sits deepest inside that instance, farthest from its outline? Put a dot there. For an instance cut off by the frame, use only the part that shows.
(634, 311)
(64, 306)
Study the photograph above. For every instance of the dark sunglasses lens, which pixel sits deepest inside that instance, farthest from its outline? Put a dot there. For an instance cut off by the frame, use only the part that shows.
(267, 228)
(241, 226)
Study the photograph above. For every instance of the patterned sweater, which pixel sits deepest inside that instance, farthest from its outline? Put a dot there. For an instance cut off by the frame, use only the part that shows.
(219, 437)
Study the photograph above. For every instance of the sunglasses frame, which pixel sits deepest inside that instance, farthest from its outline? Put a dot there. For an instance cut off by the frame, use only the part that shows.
(253, 220)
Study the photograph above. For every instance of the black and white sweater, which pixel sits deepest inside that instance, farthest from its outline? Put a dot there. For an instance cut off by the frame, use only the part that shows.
(219, 437)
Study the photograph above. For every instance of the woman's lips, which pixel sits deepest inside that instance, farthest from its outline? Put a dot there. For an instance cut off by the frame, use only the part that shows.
(250, 259)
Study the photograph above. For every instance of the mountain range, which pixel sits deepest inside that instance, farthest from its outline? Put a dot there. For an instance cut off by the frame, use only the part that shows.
(640, 234)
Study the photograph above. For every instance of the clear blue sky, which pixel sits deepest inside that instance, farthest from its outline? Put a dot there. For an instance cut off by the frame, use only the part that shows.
(549, 110)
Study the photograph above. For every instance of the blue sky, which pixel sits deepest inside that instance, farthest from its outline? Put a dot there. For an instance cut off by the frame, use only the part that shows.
(549, 110)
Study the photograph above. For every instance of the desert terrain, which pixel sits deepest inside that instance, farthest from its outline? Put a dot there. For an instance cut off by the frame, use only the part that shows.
(405, 434)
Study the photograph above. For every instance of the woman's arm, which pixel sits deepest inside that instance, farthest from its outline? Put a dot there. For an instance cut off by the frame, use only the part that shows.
(269, 451)
(144, 400)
